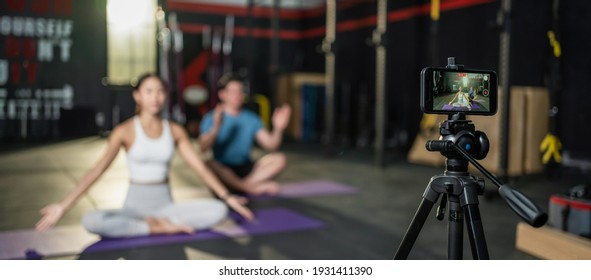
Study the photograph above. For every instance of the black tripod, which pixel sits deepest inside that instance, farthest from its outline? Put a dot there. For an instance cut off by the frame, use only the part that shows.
(461, 144)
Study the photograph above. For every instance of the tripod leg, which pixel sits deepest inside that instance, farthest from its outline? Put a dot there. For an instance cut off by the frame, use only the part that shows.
(476, 232)
(429, 199)
(455, 232)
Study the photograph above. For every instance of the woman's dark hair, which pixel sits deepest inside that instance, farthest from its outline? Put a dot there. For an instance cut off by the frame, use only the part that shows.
(142, 78)
(137, 84)
(230, 77)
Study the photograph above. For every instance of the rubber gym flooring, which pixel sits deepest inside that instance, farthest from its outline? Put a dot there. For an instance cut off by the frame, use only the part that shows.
(364, 217)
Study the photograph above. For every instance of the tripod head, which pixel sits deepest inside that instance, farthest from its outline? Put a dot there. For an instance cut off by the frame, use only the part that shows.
(460, 143)
(462, 133)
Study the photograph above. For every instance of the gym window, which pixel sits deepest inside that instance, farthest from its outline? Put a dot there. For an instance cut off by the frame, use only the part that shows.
(131, 40)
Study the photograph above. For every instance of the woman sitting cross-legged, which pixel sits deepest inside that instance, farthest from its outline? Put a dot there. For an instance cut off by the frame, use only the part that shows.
(150, 142)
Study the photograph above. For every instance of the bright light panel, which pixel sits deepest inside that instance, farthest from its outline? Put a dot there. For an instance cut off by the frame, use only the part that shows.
(130, 13)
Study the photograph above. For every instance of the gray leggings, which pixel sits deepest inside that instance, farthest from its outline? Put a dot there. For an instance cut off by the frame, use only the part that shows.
(153, 201)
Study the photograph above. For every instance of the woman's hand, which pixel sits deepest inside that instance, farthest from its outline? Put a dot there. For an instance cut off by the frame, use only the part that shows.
(237, 204)
(51, 214)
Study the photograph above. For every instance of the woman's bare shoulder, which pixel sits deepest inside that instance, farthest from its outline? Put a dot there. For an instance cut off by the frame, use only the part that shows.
(177, 130)
(123, 130)
(125, 126)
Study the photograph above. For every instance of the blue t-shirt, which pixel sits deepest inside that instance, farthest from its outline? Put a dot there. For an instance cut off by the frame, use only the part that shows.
(235, 137)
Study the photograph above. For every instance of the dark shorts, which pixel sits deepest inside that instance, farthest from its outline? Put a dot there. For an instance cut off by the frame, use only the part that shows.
(242, 170)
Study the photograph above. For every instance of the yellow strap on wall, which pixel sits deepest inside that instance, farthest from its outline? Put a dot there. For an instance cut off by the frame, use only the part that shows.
(550, 148)
(264, 109)
(554, 43)
(434, 10)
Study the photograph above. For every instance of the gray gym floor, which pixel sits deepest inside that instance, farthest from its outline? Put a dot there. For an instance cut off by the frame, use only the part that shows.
(366, 225)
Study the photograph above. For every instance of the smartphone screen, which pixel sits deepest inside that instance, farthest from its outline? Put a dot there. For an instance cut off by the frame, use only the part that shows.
(448, 91)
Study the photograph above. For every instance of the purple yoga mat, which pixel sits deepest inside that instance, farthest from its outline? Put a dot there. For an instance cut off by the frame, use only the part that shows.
(272, 220)
(313, 188)
(475, 106)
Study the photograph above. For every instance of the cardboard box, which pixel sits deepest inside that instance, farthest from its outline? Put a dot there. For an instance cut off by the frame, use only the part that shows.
(288, 91)
(491, 126)
(537, 102)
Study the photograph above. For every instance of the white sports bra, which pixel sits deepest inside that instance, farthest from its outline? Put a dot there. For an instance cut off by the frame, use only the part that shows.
(149, 159)
(462, 99)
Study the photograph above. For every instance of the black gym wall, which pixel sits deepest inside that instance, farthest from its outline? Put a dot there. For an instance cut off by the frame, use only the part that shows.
(574, 98)
(466, 29)
(52, 59)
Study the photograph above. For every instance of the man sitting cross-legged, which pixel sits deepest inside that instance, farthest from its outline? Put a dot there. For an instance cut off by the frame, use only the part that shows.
(231, 132)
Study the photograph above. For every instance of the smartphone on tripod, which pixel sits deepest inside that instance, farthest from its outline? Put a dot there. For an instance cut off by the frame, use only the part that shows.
(449, 91)
(458, 92)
